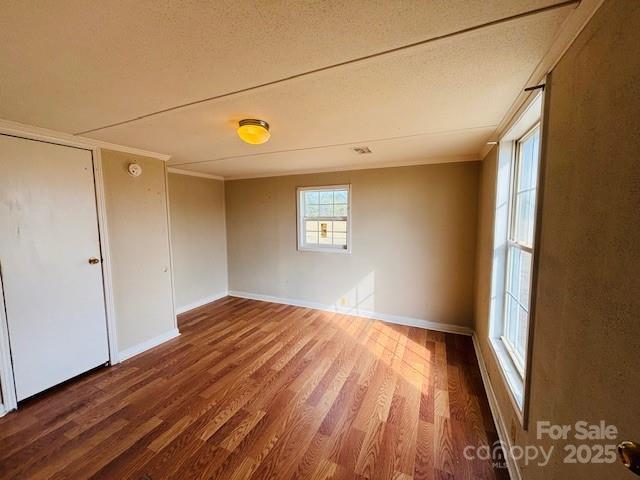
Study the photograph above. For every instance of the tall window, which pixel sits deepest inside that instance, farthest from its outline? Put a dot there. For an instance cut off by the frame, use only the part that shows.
(522, 207)
(324, 218)
(517, 160)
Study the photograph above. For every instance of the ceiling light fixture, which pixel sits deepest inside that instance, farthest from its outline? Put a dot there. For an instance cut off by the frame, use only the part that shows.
(254, 131)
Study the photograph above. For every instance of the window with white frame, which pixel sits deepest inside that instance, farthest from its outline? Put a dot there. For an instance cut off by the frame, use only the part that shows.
(522, 207)
(510, 314)
(324, 218)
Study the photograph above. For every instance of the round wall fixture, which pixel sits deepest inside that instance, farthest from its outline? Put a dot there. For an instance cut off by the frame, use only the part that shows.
(134, 170)
(254, 131)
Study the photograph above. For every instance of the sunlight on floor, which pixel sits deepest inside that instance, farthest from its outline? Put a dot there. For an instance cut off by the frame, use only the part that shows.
(411, 360)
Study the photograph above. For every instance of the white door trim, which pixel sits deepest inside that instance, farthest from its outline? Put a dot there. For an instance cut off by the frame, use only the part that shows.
(6, 368)
(105, 251)
(173, 288)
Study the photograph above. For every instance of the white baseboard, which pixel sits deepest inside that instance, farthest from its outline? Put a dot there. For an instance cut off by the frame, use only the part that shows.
(385, 317)
(201, 302)
(498, 419)
(146, 345)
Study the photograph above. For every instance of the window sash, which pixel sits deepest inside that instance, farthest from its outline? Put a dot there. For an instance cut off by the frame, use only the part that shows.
(511, 328)
(514, 186)
(324, 245)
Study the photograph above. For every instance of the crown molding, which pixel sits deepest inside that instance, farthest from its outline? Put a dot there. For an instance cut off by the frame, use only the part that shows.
(569, 31)
(191, 173)
(14, 128)
(349, 168)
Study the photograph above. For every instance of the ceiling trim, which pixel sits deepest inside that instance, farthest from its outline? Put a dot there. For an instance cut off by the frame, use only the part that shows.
(53, 136)
(428, 161)
(194, 174)
(352, 61)
(568, 33)
(355, 143)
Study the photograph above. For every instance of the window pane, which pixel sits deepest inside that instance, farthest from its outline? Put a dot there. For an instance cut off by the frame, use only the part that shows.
(311, 237)
(525, 278)
(523, 329)
(325, 228)
(340, 210)
(326, 240)
(312, 211)
(340, 226)
(339, 238)
(311, 197)
(326, 210)
(519, 275)
(516, 325)
(526, 164)
(525, 216)
(326, 197)
(526, 167)
(311, 226)
(525, 195)
(511, 314)
(513, 266)
(341, 196)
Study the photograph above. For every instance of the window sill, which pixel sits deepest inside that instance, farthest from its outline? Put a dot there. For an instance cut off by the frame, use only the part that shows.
(324, 250)
(510, 374)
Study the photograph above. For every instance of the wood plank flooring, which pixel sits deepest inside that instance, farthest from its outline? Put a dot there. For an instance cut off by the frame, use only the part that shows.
(255, 390)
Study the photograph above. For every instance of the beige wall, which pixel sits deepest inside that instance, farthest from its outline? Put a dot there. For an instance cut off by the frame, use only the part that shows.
(139, 244)
(413, 254)
(586, 342)
(198, 238)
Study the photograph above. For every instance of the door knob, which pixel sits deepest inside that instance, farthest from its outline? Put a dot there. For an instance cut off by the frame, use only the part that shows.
(630, 456)
(93, 260)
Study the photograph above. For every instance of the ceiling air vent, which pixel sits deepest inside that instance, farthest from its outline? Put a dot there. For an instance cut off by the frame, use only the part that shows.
(361, 150)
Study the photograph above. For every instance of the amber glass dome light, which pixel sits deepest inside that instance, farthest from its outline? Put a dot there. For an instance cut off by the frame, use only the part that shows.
(254, 131)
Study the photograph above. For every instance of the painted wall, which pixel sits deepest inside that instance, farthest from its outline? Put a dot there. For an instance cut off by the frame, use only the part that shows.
(139, 240)
(413, 250)
(198, 238)
(586, 342)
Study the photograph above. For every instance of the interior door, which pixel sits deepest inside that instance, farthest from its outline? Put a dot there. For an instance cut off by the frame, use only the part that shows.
(49, 261)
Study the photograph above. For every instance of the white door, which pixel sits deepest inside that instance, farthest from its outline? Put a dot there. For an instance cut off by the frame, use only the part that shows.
(54, 297)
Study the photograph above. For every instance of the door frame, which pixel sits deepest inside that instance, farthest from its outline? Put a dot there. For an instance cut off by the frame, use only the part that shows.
(9, 399)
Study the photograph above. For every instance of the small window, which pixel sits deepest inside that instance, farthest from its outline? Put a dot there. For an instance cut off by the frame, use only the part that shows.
(324, 218)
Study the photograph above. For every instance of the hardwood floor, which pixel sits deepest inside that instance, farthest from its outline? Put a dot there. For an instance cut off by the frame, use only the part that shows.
(255, 390)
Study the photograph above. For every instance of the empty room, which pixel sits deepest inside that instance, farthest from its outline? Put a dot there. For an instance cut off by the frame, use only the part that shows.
(318, 239)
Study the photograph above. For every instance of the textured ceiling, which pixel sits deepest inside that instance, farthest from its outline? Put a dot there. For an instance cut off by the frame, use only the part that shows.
(79, 67)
